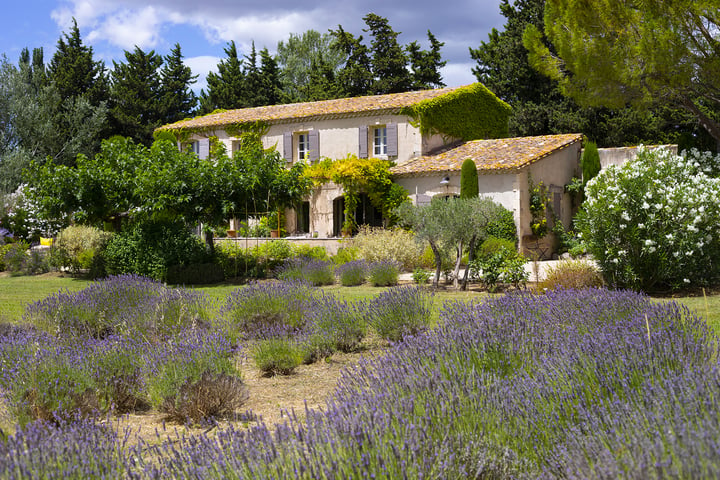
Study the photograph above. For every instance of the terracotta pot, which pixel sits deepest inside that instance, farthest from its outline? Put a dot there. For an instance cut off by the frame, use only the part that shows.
(275, 233)
(232, 233)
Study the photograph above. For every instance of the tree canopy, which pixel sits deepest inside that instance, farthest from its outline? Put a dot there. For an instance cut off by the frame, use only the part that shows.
(613, 53)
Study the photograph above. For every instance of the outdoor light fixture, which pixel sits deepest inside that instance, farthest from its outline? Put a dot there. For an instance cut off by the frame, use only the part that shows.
(445, 180)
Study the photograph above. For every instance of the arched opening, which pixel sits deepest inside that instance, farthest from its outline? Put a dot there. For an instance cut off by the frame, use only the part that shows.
(365, 214)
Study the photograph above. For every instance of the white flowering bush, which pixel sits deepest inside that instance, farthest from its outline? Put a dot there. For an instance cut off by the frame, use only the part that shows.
(652, 223)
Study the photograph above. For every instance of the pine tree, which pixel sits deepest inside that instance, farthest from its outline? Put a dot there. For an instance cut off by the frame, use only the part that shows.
(74, 71)
(177, 99)
(253, 95)
(226, 87)
(389, 62)
(270, 85)
(426, 64)
(355, 78)
(135, 99)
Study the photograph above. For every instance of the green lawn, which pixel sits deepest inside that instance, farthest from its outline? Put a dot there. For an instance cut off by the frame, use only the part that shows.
(16, 292)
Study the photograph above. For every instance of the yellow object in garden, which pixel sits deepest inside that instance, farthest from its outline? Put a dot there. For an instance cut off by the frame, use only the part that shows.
(46, 242)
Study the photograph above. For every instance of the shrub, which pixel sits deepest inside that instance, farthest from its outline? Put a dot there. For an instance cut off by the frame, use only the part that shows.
(308, 251)
(503, 225)
(315, 272)
(572, 274)
(504, 266)
(333, 325)
(192, 366)
(150, 248)
(79, 248)
(400, 311)
(262, 310)
(383, 273)
(126, 305)
(651, 223)
(493, 245)
(277, 356)
(16, 257)
(352, 273)
(195, 274)
(346, 254)
(420, 276)
(384, 245)
(237, 261)
(468, 179)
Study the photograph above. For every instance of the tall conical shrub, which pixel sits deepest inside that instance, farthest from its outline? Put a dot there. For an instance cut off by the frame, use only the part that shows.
(590, 162)
(469, 180)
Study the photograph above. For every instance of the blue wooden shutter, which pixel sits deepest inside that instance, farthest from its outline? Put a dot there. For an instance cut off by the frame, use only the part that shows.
(314, 141)
(204, 148)
(363, 142)
(392, 139)
(287, 146)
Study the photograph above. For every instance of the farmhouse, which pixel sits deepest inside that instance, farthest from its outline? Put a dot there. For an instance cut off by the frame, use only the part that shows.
(426, 134)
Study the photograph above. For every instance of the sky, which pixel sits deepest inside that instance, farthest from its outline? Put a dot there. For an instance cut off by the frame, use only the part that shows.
(204, 27)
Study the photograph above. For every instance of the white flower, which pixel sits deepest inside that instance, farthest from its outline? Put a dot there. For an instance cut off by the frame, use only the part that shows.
(669, 236)
(649, 243)
(645, 205)
(686, 280)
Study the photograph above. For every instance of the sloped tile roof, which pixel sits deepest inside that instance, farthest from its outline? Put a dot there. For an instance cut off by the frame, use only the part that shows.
(490, 156)
(392, 103)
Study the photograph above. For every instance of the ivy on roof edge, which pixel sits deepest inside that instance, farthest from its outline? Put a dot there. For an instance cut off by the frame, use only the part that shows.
(470, 113)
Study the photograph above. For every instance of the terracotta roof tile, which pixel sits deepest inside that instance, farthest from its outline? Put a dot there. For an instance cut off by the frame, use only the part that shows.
(489, 155)
(296, 111)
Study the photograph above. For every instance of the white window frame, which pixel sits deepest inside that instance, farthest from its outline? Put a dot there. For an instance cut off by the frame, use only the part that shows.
(303, 146)
(380, 142)
(194, 146)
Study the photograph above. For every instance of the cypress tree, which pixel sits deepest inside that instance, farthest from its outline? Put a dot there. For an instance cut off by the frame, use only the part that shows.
(590, 162)
(469, 179)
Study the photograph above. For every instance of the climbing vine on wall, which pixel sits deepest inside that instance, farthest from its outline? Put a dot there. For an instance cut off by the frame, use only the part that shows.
(468, 113)
(360, 175)
(539, 200)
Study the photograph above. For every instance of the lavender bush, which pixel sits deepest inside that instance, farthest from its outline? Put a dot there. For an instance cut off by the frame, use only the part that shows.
(316, 272)
(121, 305)
(400, 311)
(333, 325)
(352, 273)
(262, 310)
(384, 273)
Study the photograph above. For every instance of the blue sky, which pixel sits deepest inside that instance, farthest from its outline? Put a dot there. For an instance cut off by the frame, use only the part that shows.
(203, 27)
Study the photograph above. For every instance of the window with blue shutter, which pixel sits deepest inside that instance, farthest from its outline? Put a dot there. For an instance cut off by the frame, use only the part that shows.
(287, 146)
(392, 139)
(204, 148)
(314, 144)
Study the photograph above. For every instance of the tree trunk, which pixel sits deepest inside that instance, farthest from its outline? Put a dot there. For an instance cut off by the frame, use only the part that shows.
(471, 257)
(456, 273)
(438, 263)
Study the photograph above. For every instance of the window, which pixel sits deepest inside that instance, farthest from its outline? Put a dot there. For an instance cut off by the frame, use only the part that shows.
(303, 146)
(380, 141)
(236, 145)
(194, 146)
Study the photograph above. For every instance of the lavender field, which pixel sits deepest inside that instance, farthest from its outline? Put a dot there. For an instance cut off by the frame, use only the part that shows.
(571, 384)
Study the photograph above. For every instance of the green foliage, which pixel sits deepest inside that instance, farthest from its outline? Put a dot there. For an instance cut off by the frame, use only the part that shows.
(385, 66)
(651, 223)
(615, 53)
(502, 225)
(493, 245)
(177, 99)
(150, 248)
(275, 356)
(504, 266)
(572, 274)
(135, 96)
(387, 244)
(469, 186)
(80, 248)
(539, 201)
(468, 113)
(346, 254)
(421, 276)
(16, 257)
(383, 274)
(195, 274)
(360, 175)
(590, 162)
(400, 311)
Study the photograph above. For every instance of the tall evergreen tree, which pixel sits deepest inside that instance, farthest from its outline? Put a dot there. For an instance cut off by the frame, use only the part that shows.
(177, 99)
(389, 62)
(136, 95)
(74, 71)
(322, 83)
(426, 64)
(252, 94)
(270, 84)
(355, 77)
(226, 87)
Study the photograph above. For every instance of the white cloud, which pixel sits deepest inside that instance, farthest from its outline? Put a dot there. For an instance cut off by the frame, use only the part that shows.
(457, 74)
(201, 66)
(128, 28)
